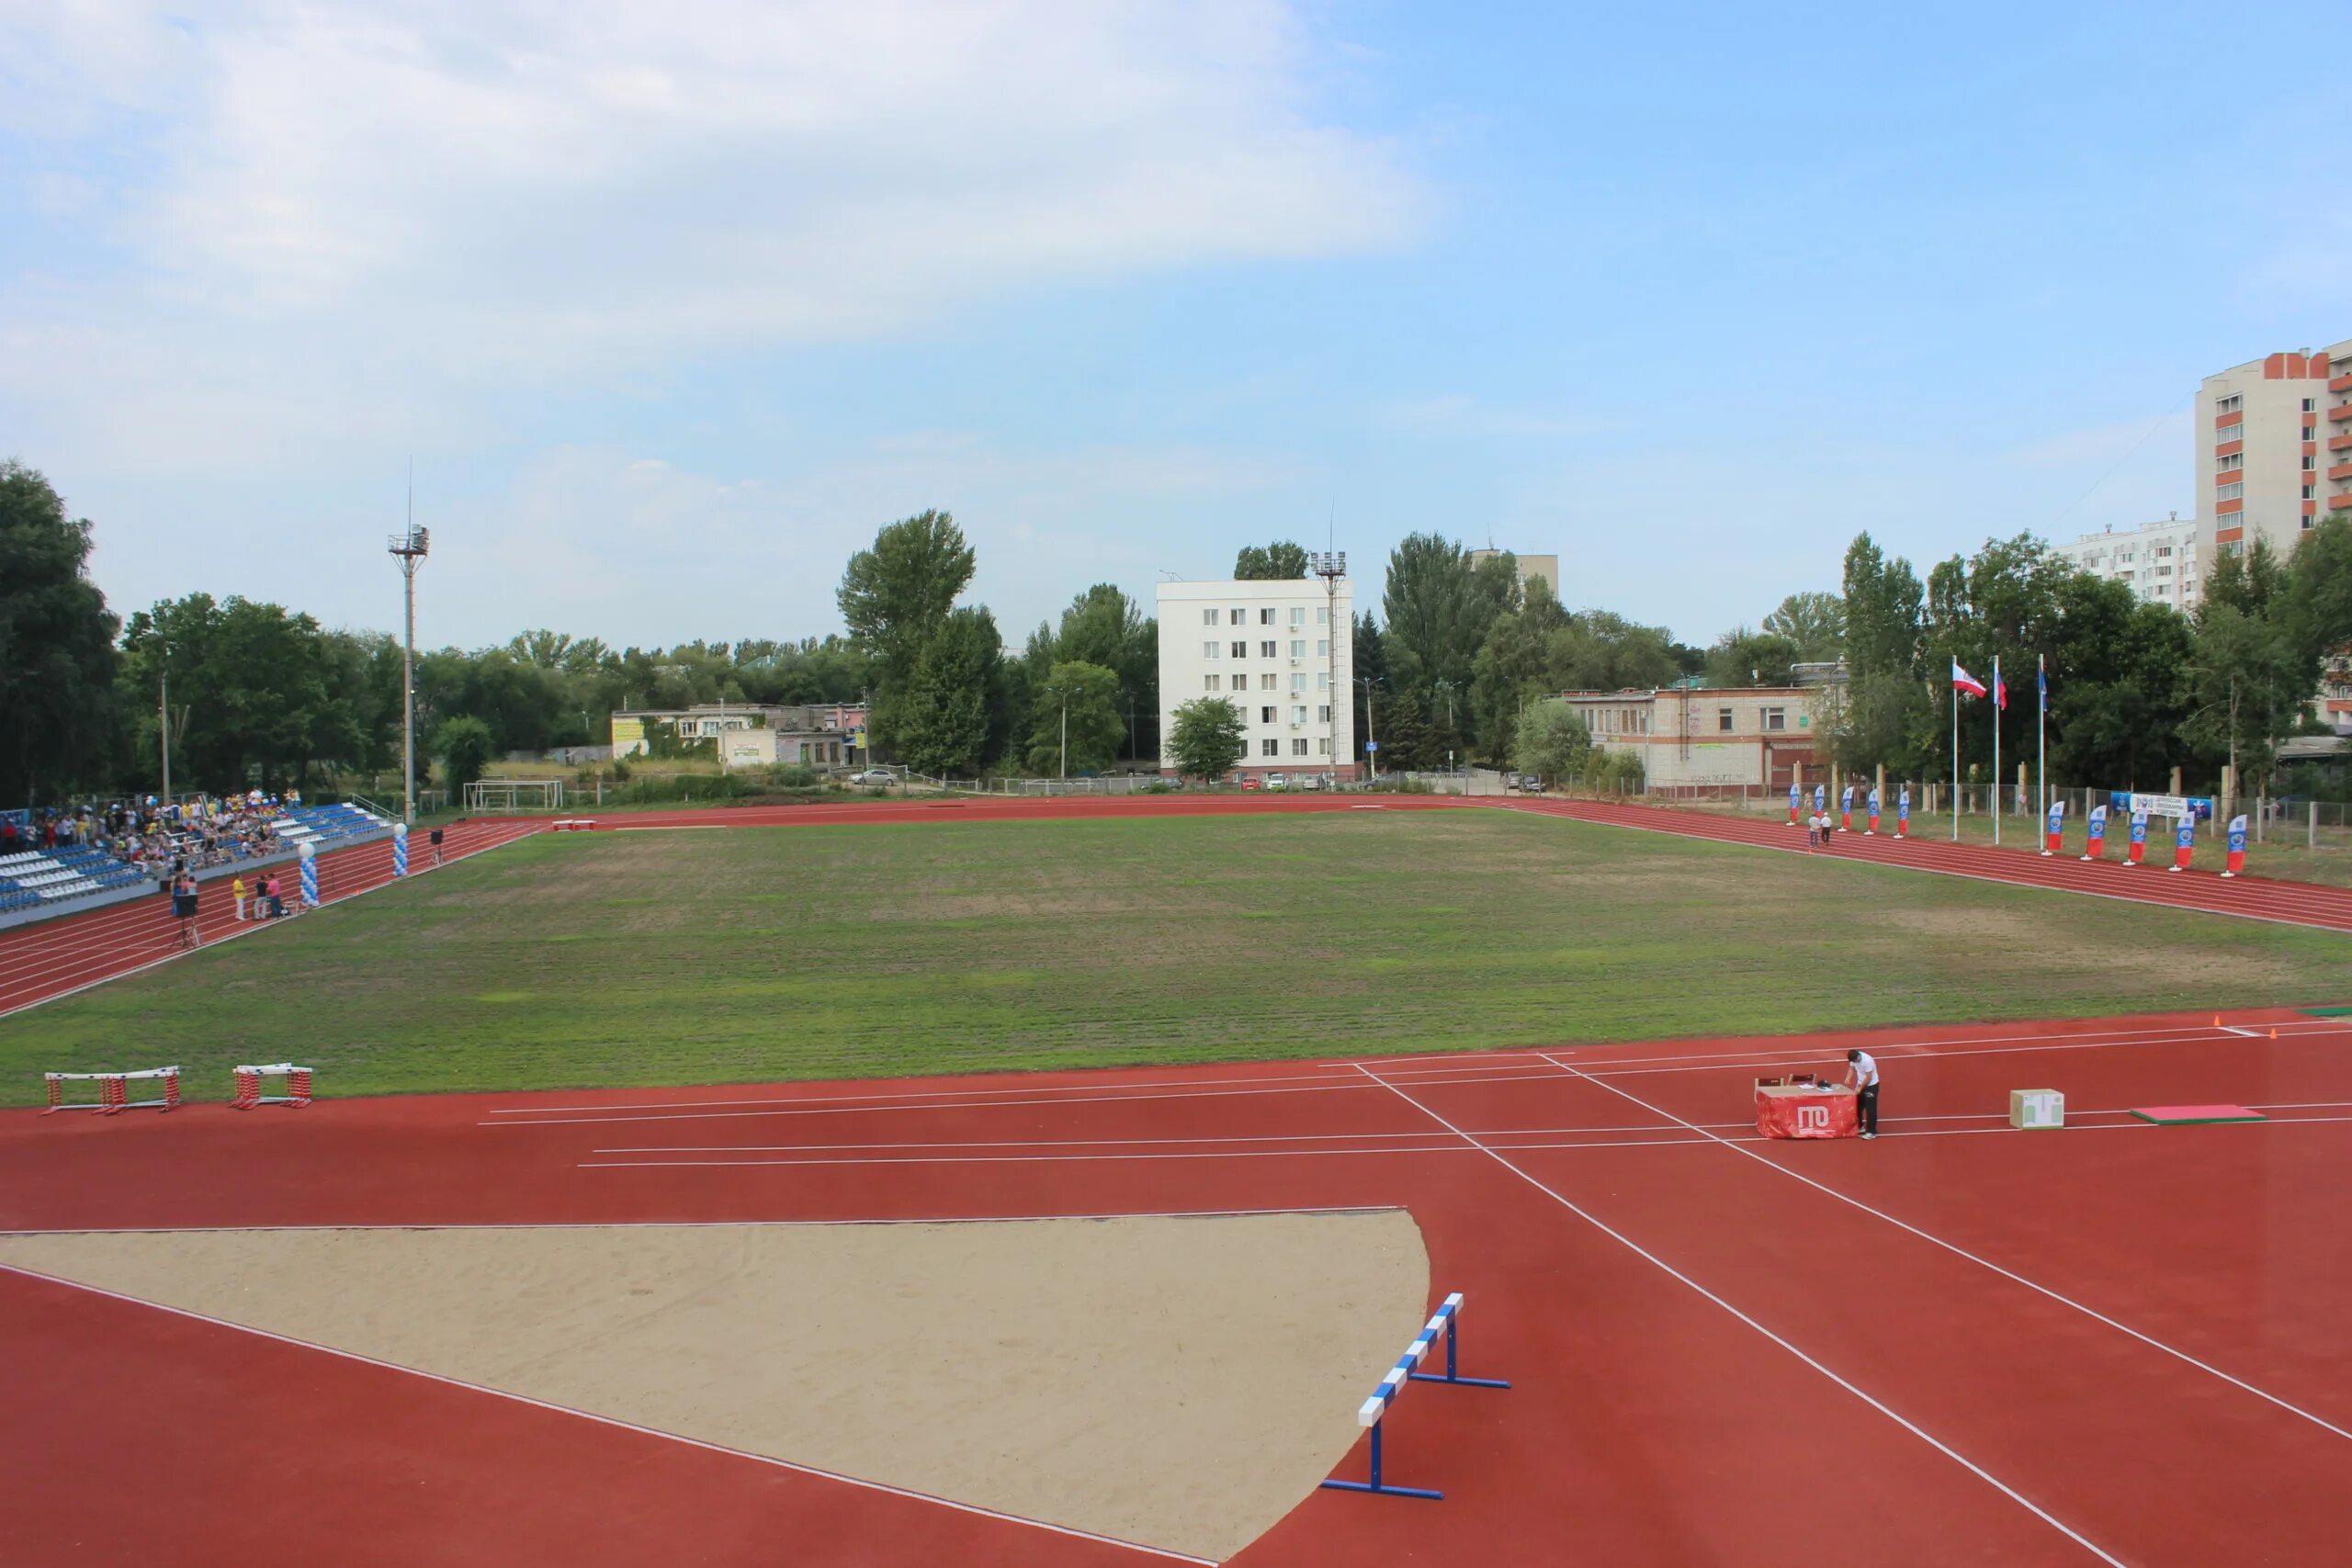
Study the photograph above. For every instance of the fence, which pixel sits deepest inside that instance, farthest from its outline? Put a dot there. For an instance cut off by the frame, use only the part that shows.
(2292, 820)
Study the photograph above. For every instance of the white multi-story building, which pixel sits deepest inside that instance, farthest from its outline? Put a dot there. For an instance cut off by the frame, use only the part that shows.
(1279, 651)
(2157, 560)
(2274, 448)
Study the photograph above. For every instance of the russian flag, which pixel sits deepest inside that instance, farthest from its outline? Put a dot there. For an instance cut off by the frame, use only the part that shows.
(2000, 687)
(1964, 681)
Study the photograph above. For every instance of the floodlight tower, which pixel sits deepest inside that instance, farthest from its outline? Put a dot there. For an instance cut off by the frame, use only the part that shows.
(409, 549)
(1331, 566)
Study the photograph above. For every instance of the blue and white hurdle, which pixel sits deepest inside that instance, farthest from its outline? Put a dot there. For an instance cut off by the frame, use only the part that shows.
(1373, 1414)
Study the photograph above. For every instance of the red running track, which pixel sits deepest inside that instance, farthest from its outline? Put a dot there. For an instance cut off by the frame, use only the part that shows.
(2250, 898)
(1959, 1344)
(53, 958)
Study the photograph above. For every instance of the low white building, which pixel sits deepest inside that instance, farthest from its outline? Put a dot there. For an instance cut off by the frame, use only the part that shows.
(1279, 651)
(2157, 560)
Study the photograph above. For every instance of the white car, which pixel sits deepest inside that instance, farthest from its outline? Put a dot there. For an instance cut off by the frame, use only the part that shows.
(873, 776)
(1278, 781)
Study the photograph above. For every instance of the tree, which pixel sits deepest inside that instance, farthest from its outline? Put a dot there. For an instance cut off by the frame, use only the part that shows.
(464, 746)
(252, 691)
(1207, 738)
(58, 717)
(944, 719)
(1553, 741)
(895, 596)
(1281, 559)
(1602, 651)
(1438, 607)
(1745, 657)
(1815, 624)
(1079, 702)
(1104, 626)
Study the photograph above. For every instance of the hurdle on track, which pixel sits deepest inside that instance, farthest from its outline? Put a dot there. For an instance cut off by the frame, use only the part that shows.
(1373, 1414)
(249, 1086)
(114, 1092)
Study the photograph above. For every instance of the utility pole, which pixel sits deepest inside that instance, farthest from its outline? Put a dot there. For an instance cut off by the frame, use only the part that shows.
(409, 549)
(1370, 731)
(1065, 696)
(164, 727)
(1331, 566)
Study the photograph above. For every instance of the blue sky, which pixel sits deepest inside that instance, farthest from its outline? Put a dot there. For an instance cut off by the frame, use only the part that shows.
(673, 307)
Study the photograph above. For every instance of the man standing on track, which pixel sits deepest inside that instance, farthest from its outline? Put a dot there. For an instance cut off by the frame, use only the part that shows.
(1861, 1077)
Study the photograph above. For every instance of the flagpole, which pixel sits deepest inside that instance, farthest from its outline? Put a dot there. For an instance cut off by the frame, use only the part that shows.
(2042, 730)
(1993, 798)
(1955, 758)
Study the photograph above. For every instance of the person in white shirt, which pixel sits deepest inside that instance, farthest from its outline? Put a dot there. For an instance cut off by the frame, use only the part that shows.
(1861, 1077)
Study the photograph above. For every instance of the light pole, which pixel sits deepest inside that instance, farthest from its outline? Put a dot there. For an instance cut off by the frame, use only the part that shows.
(1371, 736)
(1065, 694)
(1331, 566)
(409, 549)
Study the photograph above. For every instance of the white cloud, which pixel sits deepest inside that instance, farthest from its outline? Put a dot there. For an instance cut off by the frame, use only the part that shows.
(536, 190)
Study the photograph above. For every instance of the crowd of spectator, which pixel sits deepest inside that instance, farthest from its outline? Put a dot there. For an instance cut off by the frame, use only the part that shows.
(168, 839)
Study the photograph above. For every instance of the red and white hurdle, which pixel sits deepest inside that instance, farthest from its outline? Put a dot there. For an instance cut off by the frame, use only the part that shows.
(249, 1086)
(114, 1091)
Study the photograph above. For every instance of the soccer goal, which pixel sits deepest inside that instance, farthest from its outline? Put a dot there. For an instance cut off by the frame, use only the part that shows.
(515, 794)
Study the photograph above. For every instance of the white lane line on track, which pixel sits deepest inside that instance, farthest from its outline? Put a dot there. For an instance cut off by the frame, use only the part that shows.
(611, 1421)
(2010, 1274)
(1544, 1073)
(1434, 1069)
(1672, 1272)
(715, 1225)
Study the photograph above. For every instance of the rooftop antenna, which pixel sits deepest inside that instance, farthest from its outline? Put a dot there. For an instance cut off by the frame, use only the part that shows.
(409, 549)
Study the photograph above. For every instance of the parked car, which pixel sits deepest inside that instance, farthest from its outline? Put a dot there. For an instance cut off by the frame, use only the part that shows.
(1249, 780)
(1308, 781)
(882, 777)
(1532, 782)
(1277, 781)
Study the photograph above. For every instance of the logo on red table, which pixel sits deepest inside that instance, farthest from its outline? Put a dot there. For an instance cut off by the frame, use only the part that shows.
(1813, 1117)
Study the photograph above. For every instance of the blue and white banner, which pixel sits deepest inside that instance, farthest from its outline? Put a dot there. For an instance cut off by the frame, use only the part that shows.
(2057, 822)
(2237, 835)
(1873, 800)
(1846, 798)
(2139, 827)
(1820, 797)
(1903, 804)
(2185, 836)
(1796, 800)
(2098, 821)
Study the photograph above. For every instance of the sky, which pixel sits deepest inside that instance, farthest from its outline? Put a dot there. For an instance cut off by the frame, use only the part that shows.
(670, 307)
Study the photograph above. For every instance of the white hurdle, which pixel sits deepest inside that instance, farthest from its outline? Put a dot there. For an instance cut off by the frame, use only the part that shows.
(114, 1094)
(1373, 1413)
(249, 1086)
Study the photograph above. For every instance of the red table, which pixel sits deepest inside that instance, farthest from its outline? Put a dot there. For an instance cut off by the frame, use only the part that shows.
(1805, 1110)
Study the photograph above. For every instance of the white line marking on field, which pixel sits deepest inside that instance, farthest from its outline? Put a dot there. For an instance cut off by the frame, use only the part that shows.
(1672, 1272)
(2233, 1029)
(611, 1421)
(1958, 1251)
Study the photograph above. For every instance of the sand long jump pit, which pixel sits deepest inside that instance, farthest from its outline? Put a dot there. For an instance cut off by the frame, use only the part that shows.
(1176, 1381)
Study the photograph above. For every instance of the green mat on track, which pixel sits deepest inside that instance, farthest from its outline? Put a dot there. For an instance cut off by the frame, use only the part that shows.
(2194, 1115)
(2325, 1013)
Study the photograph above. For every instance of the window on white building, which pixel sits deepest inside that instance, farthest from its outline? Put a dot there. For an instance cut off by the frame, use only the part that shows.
(1212, 649)
(1266, 650)
(1323, 712)
(1269, 748)
(2231, 405)
(1298, 615)
(2229, 491)
(1298, 746)
(1241, 650)
(1298, 680)
(1322, 680)
(1323, 746)
(1723, 721)
(1322, 614)
(2311, 433)
(1265, 614)
(1322, 648)
(1266, 681)
(1213, 682)
(1233, 617)
(2234, 460)
(1775, 718)
(1298, 648)
(1298, 713)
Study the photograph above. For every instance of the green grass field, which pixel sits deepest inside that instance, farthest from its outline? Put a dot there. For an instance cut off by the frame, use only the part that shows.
(834, 951)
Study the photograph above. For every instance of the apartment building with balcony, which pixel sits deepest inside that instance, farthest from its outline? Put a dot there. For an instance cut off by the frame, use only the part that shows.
(2158, 561)
(2274, 449)
(1277, 649)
